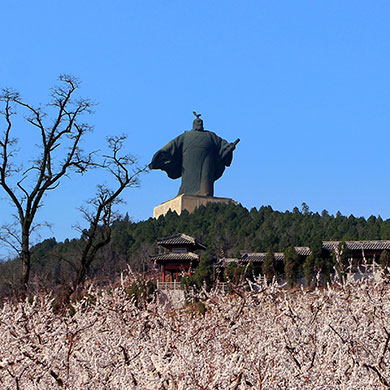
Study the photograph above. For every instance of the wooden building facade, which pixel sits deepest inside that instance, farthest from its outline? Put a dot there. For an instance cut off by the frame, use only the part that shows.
(178, 256)
(360, 252)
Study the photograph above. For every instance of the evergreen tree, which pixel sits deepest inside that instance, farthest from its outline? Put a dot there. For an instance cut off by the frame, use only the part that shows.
(341, 257)
(203, 275)
(317, 263)
(269, 267)
(238, 273)
(227, 227)
(384, 260)
(291, 266)
(308, 269)
(232, 273)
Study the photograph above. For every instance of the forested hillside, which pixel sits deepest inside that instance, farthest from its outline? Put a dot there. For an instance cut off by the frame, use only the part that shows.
(231, 228)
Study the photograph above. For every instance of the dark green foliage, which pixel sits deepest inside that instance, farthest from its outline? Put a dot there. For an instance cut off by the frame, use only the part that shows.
(341, 260)
(291, 266)
(203, 275)
(198, 307)
(318, 262)
(308, 269)
(235, 273)
(269, 266)
(233, 228)
(201, 308)
(384, 260)
(142, 291)
(249, 271)
(227, 227)
(232, 273)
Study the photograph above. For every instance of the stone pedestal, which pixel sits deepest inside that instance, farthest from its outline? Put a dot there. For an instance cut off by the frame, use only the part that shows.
(187, 202)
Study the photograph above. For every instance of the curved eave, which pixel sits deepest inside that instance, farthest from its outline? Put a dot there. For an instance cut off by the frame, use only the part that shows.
(180, 240)
(165, 257)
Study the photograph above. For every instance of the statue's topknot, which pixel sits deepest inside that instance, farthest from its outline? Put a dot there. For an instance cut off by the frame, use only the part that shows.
(197, 124)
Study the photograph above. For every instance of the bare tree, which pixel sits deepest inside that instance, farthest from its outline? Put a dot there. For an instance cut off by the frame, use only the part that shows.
(60, 129)
(100, 214)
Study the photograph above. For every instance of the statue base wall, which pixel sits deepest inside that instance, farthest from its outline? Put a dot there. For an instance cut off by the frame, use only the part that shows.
(187, 202)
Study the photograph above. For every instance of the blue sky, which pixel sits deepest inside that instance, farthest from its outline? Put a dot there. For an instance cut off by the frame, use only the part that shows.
(305, 85)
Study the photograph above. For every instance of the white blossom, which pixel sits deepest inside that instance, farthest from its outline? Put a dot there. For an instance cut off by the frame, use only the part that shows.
(265, 338)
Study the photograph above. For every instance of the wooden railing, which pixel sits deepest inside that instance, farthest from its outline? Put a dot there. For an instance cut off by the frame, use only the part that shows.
(169, 285)
(223, 287)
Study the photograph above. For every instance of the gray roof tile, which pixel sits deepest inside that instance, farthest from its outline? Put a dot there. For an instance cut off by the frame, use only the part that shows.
(359, 245)
(180, 239)
(171, 256)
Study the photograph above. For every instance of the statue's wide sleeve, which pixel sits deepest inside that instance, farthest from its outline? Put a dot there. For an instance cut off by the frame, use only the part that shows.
(225, 156)
(169, 158)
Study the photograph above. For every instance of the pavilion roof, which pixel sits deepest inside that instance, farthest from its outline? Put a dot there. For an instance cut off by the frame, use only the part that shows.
(359, 245)
(279, 256)
(180, 239)
(173, 256)
(223, 262)
(230, 260)
(259, 257)
(303, 250)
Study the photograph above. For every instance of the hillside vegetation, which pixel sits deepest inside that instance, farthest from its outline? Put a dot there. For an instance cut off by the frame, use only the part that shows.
(228, 228)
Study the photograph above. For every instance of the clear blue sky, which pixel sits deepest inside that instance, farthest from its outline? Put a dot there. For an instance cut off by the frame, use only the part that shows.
(304, 84)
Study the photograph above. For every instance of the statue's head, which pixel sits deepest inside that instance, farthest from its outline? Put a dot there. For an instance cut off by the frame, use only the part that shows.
(197, 124)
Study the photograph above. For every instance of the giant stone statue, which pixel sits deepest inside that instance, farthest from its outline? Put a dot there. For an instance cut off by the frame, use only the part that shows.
(198, 156)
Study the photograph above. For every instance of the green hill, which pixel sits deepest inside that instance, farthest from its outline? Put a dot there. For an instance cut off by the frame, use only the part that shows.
(222, 227)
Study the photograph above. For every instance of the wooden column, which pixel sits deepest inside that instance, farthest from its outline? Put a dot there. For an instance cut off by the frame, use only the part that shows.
(163, 273)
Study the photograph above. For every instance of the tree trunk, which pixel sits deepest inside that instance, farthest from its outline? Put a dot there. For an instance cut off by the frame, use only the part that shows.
(26, 260)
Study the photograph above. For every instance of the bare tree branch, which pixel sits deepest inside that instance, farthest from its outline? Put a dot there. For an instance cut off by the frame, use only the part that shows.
(62, 135)
(100, 214)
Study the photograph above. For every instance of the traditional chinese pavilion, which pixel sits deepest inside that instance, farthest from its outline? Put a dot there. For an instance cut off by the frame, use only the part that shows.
(178, 256)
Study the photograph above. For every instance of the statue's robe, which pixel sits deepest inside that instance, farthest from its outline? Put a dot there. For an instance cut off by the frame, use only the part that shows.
(198, 157)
